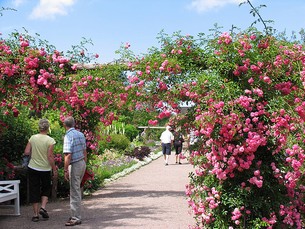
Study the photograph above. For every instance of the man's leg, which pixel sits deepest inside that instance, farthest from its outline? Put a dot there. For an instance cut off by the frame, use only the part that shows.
(164, 152)
(168, 152)
(77, 171)
(166, 159)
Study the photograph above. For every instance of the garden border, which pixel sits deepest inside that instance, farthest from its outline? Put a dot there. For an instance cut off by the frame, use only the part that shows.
(147, 160)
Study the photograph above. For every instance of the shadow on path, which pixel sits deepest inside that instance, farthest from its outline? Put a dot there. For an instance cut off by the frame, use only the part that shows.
(150, 197)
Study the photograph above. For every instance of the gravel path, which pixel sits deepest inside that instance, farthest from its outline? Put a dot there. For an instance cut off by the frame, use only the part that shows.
(150, 197)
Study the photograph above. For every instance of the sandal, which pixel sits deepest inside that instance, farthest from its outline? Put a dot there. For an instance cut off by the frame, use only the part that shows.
(35, 218)
(73, 222)
(44, 213)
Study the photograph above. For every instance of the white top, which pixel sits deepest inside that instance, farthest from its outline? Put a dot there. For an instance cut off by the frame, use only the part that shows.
(166, 137)
(192, 137)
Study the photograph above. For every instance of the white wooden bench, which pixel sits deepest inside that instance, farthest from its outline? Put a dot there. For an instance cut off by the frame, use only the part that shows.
(9, 190)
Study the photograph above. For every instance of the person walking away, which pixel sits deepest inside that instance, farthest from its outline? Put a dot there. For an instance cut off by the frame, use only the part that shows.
(40, 147)
(166, 141)
(75, 152)
(192, 140)
(178, 141)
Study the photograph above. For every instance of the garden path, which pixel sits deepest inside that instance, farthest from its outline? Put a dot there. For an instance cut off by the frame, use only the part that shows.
(151, 197)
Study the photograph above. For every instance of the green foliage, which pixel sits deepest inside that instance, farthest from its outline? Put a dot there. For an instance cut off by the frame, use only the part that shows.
(136, 143)
(137, 117)
(154, 134)
(57, 132)
(35, 41)
(119, 142)
(79, 53)
(255, 11)
(63, 187)
(131, 132)
(14, 136)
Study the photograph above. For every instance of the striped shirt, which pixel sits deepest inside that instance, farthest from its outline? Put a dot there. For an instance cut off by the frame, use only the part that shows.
(74, 143)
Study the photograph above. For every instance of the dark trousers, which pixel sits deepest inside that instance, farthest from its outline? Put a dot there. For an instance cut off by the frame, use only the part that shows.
(178, 148)
(166, 148)
(40, 184)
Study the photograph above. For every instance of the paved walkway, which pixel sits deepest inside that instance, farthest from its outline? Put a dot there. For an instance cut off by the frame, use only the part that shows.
(151, 197)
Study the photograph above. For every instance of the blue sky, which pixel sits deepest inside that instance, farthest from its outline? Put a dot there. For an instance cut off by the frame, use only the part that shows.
(110, 23)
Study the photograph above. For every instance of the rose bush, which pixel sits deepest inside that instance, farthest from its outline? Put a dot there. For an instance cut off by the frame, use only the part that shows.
(42, 79)
(37, 81)
(249, 167)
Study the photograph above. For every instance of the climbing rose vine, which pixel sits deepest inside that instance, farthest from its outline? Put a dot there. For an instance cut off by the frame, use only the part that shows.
(42, 79)
(249, 163)
(245, 98)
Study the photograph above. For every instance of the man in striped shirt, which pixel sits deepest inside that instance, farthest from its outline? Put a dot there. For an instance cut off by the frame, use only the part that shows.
(75, 152)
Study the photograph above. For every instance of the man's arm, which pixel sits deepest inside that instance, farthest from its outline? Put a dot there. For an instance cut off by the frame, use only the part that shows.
(85, 154)
(66, 166)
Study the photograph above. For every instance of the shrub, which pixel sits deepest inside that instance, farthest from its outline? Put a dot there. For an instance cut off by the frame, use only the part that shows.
(63, 186)
(131, 132)
(153, 134)
(141, 152)
(14, 137)
(118, 141)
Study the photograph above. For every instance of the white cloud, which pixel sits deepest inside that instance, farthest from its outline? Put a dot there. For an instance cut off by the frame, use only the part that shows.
(205, 5)
(48, 9)
(17, 3)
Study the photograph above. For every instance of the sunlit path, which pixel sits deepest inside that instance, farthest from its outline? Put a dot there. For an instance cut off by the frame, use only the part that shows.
(151, 197)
